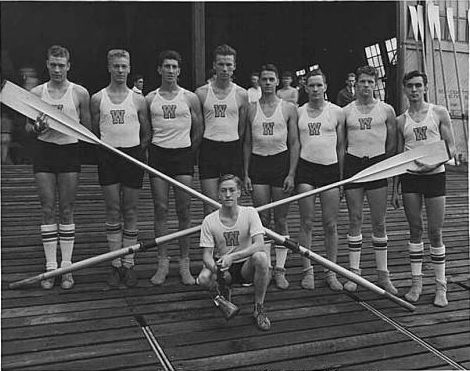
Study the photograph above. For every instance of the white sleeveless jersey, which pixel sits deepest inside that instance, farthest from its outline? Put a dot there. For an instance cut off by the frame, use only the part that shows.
(318, 137)
(269, 134)
(221, 116)
(171, 121)
(67, 106)
(119, 123)
(366, 133)
(424, 132)
(226, 240)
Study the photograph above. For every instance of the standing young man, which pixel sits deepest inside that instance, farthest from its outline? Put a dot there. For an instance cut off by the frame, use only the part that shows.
(271, 152)
(321, 129)
(224, 107)
(120, 119)
(288, 92)
(371, 136)
(348, 93)
(177, 131)
(421, 124)
(56, 162)
(232, 238)
(138, 84)
(254, 91)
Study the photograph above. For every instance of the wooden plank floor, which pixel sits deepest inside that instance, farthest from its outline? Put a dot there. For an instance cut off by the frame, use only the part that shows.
(93, 327)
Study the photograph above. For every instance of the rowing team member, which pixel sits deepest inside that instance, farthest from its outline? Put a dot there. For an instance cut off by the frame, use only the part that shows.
(300, 143)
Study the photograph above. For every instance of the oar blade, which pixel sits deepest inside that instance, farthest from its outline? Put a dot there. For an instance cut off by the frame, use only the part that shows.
(431, 154)
(414, 21)
(31, 106)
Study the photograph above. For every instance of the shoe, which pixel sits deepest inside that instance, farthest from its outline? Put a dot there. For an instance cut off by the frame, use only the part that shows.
(114, 278)
(162, 271)
(185, 272)
(416, 287)
(350, 285)
(441, 288)
(308, 282)
(67, 281)
(333, 282)
(130, 276)
(48, 283)
(384, 282)
(261, 318)
(280, 278)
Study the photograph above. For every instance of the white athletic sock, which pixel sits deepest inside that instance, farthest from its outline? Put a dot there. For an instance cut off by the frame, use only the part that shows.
(416, 251)
(380, 249)
(49, 238)
(438, 259)
(354, 246)
(129, 238)
(281, 255)
(66, 239)
(114, 237)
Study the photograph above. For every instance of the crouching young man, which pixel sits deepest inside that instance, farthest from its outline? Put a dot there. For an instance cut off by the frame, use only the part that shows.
(232, 238)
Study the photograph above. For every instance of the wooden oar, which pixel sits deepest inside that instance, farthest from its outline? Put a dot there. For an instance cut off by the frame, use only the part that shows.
(437, 25)
(430, 14)
(422, 32)
(450, 24)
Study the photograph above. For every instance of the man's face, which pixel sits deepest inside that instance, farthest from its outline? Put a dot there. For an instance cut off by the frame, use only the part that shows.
(351, 81)
(139, 84)
(315, 88)
(286, 81)
(224, 66)
(119, 68)
(58, 68)
(415, 89)
(254, 81)
(169, 70)
(268, 82)
(229, 193)
(365, 85)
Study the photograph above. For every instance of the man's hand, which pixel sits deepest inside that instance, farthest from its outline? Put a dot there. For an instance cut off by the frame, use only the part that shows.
(40, 125)
(423, 168)
(395, 201)
(289, 184)
(225, 262)
(247, 184)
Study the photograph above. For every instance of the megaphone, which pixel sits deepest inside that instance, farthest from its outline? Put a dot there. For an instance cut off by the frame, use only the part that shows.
(228, 309)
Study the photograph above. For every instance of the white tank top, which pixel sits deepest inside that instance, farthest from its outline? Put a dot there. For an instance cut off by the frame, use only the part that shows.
(221, 116)
(67, 106)
(171, 121)
(119, 123)
(318, 137)
(424, 132)
(269, 134)
(366, 133)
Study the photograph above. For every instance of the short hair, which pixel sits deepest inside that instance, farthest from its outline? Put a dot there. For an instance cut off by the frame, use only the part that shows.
(367, 70)
(254, 73)
(316, 72)
(415, 73)
(137, 78)
(59, 52)
(269, 67)
(226, 177)
(224, 49)
(118, 53)
(287, 74)
(169, 54)
(350, 74)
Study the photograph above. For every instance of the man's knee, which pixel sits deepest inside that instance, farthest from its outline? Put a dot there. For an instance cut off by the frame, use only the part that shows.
(161, 210)
(260, 260)
(205, 278)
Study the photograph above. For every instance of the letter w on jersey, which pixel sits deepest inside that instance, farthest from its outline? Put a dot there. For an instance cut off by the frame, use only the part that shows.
(420, 133)
(365, 123)
(268, 128)
(118, 116)
(169, 111)
(231, 238)
(219, 110)
(314, 128)
(60, 107)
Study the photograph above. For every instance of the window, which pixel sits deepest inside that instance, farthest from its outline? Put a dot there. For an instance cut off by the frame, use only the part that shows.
(374, 59)
(391, 46)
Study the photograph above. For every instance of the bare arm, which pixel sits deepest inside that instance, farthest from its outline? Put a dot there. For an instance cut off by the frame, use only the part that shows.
(340, 140)
(445, 128)
(208, 259)
(84, 106)
(247, 148)
(391, 141)
(400, 148)
(293, 142)
(95, 113)
(143, 115)
(242, 99)
(197, 122)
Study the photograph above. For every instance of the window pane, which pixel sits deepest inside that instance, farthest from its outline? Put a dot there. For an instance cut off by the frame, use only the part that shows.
(367, 52)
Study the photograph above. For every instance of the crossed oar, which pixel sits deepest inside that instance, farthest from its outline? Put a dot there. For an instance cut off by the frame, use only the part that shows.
(31, 106)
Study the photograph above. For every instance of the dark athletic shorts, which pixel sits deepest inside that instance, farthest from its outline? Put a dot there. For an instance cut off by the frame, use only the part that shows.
(353, 165)
(269, 170)
(235, 271)
(431, 185)
(171, 161)
(56, 158)
(316, 175)
(219, 158)
(113, 169)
